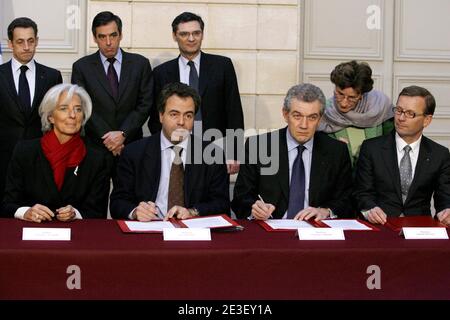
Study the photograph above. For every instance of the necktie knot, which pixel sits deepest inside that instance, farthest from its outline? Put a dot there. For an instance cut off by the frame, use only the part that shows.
(177, 149)
(407, 148)
(191, 64)
(300, 149)
(111, 60)
(23, 69)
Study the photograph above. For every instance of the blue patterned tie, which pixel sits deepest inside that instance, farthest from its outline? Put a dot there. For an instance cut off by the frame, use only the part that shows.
(297, 188)
(405, 172)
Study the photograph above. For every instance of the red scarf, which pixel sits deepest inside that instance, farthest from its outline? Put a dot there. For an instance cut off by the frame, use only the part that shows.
(62, 156)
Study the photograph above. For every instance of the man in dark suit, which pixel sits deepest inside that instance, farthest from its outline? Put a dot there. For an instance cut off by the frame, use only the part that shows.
(160, 177)
(120, 85)
(213, 77)
(295, 173)
(23, 84)
(397, 174)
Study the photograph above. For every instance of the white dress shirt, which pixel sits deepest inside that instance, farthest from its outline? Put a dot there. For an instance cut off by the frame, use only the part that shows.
(30, 74)
(185, 69)
(167, 157)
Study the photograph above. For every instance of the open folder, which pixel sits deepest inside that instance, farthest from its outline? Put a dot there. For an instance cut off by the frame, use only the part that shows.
(216, 222)
(290, 225)
(396, 224)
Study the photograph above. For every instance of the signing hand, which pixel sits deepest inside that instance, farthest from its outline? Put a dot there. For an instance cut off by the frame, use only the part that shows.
(146, 211)
(261, 210)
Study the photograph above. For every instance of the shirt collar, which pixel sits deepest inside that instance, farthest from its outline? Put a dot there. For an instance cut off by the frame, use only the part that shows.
(292, 143)
(400, 144)
(15, 65)
(118, 56)
(166, 144)
(196, 60)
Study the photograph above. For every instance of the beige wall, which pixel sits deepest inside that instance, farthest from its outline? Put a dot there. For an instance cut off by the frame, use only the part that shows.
(274, 44)
(261, 37)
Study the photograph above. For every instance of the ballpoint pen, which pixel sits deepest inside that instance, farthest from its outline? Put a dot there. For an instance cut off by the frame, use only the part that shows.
(264, 203)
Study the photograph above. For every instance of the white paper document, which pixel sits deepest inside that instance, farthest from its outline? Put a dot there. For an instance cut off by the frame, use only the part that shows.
(346, 224)
(156, 226)
(321, 234)
(187, 234)
(287, 224)
(425, 233)
(47, 234)
(207, 222)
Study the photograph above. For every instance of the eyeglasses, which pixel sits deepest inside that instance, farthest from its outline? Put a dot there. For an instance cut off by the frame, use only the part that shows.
(408, 113)
(186, 35)
(340, 96)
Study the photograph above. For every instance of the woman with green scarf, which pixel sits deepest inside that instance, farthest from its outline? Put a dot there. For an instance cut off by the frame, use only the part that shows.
(356, 111)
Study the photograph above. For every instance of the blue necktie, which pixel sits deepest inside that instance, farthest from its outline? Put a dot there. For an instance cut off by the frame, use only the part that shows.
(193, 83)
(24, 90)
(297, 187)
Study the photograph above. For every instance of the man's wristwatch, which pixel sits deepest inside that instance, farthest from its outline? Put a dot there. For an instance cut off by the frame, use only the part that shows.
(124, 134)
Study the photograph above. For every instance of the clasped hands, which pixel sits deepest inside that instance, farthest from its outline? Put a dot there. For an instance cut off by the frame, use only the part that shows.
(39, 213)
(114, 142)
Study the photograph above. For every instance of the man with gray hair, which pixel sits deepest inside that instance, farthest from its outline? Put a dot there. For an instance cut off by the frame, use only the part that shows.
(313, 179)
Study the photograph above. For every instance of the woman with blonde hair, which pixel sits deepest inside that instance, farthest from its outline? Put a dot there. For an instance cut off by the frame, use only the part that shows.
(58, 176)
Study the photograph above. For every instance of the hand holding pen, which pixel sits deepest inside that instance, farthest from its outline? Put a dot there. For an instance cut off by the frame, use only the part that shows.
(262, 210)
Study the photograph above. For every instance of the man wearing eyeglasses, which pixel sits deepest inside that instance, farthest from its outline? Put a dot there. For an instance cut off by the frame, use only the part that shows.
(212, 76)
(311, 176)
(397, 174)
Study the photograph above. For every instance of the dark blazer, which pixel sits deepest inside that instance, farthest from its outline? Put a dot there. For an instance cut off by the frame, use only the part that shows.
(30, 181)
(221, 103)
(330, 177)
(16, 122)
(126, 113)
(378, 178)
(206, 187)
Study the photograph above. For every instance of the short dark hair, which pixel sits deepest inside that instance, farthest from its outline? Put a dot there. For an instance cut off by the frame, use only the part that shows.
(416, 91)
(187, 17)
(103, 18)
(353, 75)
(178, 89)
(22, 22)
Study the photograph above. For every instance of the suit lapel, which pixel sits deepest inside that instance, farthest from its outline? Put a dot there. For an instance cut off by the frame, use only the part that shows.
(389, 156)
(17, 109)
(125, 71)
(99, 72)
(205, 70)
(47, 172)
(173, 71)
(283, 172)
(319, 164)
(423, 160)
(152, 165)
(39, 85)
